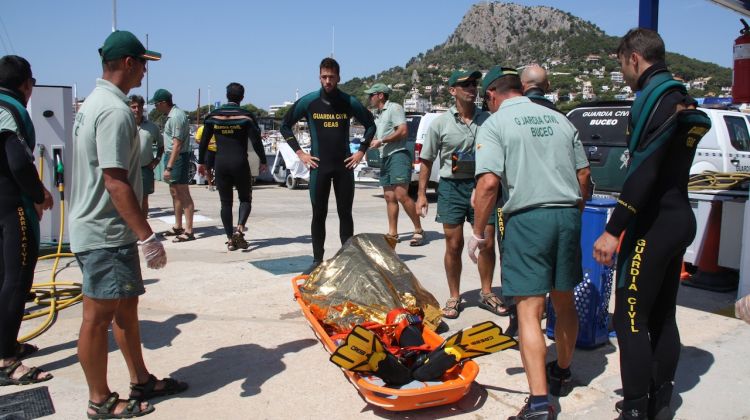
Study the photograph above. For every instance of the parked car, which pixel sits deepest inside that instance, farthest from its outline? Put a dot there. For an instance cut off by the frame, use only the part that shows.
(602, 127)
(417, 125)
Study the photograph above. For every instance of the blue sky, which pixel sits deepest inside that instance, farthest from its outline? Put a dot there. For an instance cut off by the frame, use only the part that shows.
(273, 47)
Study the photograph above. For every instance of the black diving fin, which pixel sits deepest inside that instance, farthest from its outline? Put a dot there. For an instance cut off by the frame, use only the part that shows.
(477, 340)
(363, 352)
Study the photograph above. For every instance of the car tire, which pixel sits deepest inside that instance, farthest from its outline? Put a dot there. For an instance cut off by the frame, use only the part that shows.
(291, 181)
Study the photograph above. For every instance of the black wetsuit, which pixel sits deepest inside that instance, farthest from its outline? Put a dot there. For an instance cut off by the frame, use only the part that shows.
(328, 117)
(536, 96)
(19, 226)
(232, 126)
(655, 210)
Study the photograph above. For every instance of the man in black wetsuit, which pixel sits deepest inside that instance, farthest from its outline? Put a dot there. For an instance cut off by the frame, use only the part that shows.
(232, 126)
(328, 112)
(654, 212)
(22, 200)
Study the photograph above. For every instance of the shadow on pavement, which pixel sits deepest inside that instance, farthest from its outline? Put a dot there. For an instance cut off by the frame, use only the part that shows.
(694, 363)
(264, 243)
(154, 335)
(249, 362)
(471, 402)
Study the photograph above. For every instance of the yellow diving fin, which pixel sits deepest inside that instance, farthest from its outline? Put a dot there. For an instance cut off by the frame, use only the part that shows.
(363, 352)
(475, 341)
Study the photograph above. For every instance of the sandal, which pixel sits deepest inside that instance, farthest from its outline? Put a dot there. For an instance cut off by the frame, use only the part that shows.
(184, 237)
(492, 303)
(392, 238)
(174, 231)
(106, 409)
(24, 350)
(417, 239)
(33, 376)
(452, 308)
(147, 390)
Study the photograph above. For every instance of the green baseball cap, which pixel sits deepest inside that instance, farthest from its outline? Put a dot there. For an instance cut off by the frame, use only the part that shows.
(459, 76)
(378, 88)
(496, 73)
(124, 44)
(160, 95)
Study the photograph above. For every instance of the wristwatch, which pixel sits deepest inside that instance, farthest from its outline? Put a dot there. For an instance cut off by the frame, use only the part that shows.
(168, 168)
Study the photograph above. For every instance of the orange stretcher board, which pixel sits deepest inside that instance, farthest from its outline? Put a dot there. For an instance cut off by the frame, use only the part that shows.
(455, 383)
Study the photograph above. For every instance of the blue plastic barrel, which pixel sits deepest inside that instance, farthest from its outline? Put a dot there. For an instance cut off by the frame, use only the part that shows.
(592, 294)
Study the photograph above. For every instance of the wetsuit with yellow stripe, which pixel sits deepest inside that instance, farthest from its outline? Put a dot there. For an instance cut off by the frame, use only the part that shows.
(655, 214)
(232, 126)
(20, 187)
(328, 116)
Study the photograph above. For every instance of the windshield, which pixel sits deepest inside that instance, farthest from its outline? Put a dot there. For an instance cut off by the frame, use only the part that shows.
(606, 126)
(412, 124)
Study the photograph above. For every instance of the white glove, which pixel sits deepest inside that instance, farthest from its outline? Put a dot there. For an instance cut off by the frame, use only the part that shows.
(153, 252)
(472, 246)
(742, 309)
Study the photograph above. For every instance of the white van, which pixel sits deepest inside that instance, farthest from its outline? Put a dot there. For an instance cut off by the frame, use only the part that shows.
(424, 125)
(726, 146)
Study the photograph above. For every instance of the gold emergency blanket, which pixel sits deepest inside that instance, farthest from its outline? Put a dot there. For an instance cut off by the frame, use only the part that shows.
(363, 282)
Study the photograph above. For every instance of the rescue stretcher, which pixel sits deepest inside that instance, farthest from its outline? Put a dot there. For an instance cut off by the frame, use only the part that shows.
(454, 384)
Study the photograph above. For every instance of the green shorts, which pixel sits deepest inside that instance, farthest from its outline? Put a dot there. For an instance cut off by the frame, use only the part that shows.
(148, 180)
(181, 170)
(541, 251)
(454, 202)
(396, 169)
(111, 273)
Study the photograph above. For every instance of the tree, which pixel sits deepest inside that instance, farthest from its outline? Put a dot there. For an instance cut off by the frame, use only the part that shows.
(279, 115)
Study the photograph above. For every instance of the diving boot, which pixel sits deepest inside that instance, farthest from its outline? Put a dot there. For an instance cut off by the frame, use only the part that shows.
(559, 382)
(634, 409)
(475, 341)
(363, 352)
(658, 402)
(526, 413)
(239, 240)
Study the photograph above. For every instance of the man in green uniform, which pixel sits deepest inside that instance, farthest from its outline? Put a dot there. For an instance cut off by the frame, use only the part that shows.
(106, 222)
(532, 150)
(451, 136)
(395, 168)
(151, 139)
(176, 171)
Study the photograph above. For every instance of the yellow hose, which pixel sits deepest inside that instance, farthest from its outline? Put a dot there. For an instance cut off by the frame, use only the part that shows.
(717, 180)
(55, 295)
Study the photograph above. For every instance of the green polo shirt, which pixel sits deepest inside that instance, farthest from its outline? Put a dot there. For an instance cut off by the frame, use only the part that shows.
(104, 136)
(536, 153)
(449, 134)
(177, 126)
(151, 141)
(386, 120)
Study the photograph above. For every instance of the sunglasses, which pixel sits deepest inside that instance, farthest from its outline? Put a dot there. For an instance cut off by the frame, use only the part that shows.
(467, 84)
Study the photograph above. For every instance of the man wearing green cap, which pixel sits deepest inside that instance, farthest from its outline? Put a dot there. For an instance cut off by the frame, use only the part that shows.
(176, 171)
(106, 224)
(395, 169)
(532, 150)
(451, 136)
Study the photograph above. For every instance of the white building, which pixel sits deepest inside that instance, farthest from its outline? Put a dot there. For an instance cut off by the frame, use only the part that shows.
(417, 103)
(616, 77)
(273, 108)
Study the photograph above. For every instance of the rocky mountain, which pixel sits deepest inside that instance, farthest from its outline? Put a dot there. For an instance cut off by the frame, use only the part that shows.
(493, 33)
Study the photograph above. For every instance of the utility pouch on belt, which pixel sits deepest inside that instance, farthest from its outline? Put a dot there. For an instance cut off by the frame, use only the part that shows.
(463, 163)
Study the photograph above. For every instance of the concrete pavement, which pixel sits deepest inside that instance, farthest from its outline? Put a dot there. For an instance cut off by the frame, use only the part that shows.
(226, 323)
